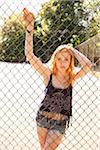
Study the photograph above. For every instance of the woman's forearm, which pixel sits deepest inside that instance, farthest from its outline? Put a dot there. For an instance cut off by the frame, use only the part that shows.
(83, 60)
(29, 44)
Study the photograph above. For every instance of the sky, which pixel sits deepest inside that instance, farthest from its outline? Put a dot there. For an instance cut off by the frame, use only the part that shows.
(9, 7)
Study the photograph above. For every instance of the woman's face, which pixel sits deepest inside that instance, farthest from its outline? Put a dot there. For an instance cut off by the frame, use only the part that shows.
(63, 59)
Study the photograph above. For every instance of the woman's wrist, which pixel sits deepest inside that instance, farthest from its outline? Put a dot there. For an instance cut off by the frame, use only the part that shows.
(29, 29)
(74, 51)
(30, 32)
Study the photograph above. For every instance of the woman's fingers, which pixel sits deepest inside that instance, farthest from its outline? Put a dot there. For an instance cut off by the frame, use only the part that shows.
(26, 12)
(70, 50)
(28, 16)
(28, 19)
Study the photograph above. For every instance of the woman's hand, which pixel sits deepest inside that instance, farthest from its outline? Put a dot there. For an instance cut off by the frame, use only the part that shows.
(70, 49)
(28, 20)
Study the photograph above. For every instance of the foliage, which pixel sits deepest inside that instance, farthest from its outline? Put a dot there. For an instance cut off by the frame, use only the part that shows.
(12, 40)
(58, 22)
(94, 25)
(61, 21)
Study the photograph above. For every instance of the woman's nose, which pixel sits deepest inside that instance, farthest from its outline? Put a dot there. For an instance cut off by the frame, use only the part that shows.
(63, 61)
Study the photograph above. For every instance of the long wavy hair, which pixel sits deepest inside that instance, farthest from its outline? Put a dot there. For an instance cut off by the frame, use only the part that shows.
(53, 66)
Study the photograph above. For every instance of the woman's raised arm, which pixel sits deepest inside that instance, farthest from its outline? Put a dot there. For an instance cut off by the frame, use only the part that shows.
(85, 63)
(34, 61)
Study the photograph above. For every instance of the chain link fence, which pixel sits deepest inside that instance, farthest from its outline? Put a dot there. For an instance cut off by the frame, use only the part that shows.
(22, 90)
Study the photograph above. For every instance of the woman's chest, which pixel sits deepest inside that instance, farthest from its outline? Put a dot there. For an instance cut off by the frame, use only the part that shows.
(60, 83)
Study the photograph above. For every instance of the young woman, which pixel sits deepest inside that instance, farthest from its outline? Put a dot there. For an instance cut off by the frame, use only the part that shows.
(59, 77)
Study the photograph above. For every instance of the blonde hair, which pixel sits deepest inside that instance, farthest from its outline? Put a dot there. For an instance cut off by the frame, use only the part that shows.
(52, 62)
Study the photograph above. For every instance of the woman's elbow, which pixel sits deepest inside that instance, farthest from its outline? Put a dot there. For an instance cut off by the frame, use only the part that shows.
(29, 55)
(89, 65)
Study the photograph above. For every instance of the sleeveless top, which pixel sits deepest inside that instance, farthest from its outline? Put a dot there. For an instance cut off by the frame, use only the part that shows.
(57, 100)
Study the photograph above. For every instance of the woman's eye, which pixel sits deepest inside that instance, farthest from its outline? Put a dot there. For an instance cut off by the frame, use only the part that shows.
(66, 59)
(59, 59)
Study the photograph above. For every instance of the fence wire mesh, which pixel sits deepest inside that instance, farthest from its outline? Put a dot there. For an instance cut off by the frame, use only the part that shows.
(22, 89)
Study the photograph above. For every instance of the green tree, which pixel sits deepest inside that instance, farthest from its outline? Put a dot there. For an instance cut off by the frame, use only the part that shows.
(93, 7)
(58, 22)
(12, 40)
(61, 21)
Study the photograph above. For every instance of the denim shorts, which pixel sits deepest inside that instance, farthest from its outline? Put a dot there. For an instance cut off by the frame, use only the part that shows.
(51, 124)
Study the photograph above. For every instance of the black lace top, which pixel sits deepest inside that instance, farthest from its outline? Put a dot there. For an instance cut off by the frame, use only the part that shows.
(57, 100)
